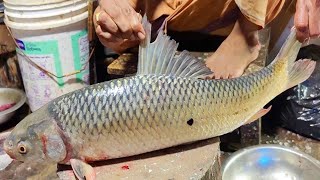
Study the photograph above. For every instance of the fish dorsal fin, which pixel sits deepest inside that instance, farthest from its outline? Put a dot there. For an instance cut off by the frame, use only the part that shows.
(160, 58)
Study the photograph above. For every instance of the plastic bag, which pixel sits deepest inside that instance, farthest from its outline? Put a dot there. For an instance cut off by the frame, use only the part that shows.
(300, 110)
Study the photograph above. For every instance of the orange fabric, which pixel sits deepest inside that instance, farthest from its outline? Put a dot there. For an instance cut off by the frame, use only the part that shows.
(273, 9)
(260, 12)
(196, 15)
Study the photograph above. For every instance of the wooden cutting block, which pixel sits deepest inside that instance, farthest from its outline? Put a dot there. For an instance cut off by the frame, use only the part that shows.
(198, 160)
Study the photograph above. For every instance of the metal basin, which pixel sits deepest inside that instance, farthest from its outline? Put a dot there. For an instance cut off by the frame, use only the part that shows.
(270, 162)
(10, 95)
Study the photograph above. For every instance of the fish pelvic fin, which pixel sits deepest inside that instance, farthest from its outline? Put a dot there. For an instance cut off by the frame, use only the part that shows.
(258, 115)
(296, 71)
(160, 57)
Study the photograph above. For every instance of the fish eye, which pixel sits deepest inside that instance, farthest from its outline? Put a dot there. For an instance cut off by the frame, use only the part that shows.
(22, 148)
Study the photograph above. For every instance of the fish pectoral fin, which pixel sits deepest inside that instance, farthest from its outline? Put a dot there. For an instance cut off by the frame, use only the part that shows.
(160, 57)
(82, 170)
(259, 114)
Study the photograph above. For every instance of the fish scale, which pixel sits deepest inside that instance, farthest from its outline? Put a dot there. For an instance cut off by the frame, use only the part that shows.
(146, 110)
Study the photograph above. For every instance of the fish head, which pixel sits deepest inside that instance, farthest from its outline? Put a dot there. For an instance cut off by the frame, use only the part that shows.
(36, 137)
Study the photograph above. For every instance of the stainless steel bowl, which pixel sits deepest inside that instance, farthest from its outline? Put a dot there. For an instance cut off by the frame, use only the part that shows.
(10, 95)
(270, 162)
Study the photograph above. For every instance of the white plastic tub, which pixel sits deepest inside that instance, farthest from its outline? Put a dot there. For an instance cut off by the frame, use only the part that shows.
(57, 41)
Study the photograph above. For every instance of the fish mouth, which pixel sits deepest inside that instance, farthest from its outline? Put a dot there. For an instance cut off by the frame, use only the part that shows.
(8, 149)
(10, 154)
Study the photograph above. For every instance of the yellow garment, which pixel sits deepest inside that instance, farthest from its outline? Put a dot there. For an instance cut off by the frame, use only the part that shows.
(216, 16)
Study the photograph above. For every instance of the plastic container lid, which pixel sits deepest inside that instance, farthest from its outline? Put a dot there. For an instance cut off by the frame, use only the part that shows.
(33, 2)
(48, 24)
(68, 9)
(43, 6)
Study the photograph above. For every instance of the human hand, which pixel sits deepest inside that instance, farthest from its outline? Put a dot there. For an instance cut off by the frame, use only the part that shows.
(306, 19)
(117, 25)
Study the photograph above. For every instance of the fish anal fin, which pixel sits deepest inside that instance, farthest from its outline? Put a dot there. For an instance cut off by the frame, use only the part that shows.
(161, 58)
(258, 115)
(82, 170)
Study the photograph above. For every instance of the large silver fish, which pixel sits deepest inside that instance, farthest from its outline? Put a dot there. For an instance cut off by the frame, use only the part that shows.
(166, 104)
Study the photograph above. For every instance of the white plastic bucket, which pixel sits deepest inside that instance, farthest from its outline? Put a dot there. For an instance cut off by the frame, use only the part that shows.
(56, 43)
(33, 2)
(52, 12)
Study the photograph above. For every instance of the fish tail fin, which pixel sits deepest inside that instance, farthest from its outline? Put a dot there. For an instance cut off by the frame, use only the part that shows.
(301, 71)
(289, 50)
(295, 71)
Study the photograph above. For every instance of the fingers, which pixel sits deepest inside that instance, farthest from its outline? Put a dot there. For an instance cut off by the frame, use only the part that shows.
(314, 15)
(123, 23)
(118, 47)
(117, 25)
(301, 21)
(138, 28)
(105, 28)
(306, 19)
(107, 23)
(103, 34)
(133, 20)
(124, 17)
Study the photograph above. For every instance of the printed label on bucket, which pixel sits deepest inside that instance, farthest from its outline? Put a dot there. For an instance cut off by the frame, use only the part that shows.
(80, 47)
(60, 55)
(45, 54)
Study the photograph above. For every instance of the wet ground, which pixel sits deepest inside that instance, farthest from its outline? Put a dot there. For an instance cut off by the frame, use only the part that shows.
(290, 139)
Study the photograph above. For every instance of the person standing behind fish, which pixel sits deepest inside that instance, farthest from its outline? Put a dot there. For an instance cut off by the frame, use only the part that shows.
(168, 102)
(118, 25)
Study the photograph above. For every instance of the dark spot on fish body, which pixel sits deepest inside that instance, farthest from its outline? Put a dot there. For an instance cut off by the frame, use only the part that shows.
(190, 122)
